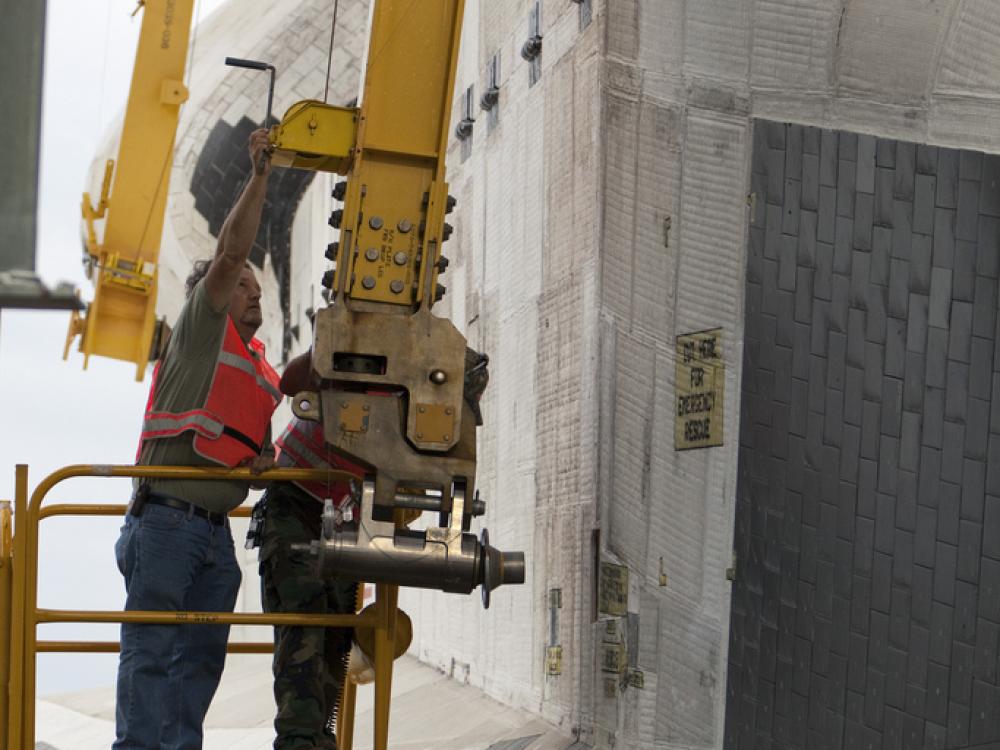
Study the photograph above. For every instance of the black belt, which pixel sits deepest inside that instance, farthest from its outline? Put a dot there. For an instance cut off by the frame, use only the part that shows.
(155, 498)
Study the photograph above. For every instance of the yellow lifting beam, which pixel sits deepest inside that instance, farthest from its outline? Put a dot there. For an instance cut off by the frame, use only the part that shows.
(123, 263)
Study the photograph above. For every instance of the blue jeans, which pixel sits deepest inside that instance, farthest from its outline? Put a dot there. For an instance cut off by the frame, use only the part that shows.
(167, 674)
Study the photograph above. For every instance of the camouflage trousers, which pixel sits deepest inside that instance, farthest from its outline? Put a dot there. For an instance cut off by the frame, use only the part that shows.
(309, 663)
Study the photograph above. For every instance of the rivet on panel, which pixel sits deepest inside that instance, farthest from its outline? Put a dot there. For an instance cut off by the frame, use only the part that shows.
(368, 282)
(396, 286)
(404, 225)
(371, 254)
(400, 258)
(375, 222)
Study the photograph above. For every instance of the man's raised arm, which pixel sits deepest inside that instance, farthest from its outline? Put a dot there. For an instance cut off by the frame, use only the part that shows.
(240, 228)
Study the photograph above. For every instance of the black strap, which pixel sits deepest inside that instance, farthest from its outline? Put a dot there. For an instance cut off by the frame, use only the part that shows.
(237, 435)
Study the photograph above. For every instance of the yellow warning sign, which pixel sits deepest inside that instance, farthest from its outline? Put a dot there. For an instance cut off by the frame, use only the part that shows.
(613, 591)
(701, 383)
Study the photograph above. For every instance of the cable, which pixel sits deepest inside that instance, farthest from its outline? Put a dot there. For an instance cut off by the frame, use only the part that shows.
(329, 57)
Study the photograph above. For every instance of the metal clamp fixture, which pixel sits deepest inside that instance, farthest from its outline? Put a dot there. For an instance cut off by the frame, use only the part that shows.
(441, 557)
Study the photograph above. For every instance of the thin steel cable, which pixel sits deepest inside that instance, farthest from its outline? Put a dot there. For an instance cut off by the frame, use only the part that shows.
(329, 56)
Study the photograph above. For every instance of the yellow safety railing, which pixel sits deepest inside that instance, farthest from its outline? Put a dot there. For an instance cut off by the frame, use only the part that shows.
(20, 615)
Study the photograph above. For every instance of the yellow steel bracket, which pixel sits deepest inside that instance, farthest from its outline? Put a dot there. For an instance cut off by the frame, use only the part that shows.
(122, 262)
(317, 136)
(92, 213)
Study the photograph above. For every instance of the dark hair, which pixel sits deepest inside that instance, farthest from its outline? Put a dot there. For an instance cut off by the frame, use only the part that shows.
(198, 271)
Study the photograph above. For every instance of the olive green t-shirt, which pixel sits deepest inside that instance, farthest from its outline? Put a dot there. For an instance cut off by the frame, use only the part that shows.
(183, 381)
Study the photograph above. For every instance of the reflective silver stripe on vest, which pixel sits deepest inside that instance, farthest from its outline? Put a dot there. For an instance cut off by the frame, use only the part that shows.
(177, 423)
(303, 452)
(241, 363)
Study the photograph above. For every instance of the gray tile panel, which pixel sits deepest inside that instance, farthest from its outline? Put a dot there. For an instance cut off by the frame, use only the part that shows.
(913, 381)
(860, 278)
(810, 182)
(967, 215)
(964, 271)
(926, 159)
(864, 219)
(944, 238)
(903, 183)
(989, 196)
(984, 307)
(988, 247)
(901, 228)
(807, 239)
(792, 207)
(970, 165)
(957, 393)
(828, 158)
(916, 322)
(923, 204)
(775, 165)
(866, 610)
(940, 298)
(947, 178)
(846, 177)
(793, 152)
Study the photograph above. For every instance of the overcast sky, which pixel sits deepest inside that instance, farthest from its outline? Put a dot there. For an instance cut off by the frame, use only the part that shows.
(54, 413)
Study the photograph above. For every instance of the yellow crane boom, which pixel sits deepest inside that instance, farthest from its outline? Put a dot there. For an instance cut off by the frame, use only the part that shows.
(121, 320)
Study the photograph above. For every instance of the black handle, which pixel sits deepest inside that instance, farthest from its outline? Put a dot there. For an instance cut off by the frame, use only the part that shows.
(239, 62)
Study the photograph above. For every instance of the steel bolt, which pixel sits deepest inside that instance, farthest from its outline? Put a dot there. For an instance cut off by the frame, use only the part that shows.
(438, 377)
(368, 282)
(400, 258)
(375, 222)
(396, 286)
(404, 226)
(372, 254)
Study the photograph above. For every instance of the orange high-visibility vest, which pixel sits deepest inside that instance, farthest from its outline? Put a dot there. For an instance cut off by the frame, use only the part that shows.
(302, 445)
(232, 423)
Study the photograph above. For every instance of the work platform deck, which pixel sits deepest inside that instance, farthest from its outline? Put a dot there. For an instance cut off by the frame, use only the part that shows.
(429, 710)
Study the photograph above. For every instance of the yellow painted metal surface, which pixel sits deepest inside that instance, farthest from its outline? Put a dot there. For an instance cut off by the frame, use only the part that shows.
(314, 135)
(396, 195)
(26, 616)
(120, 321)
(6, 584)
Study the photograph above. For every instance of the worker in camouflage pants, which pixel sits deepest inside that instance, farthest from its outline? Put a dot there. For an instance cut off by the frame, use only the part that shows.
(309, 662)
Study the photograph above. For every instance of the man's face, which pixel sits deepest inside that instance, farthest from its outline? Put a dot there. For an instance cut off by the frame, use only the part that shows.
(245, 307)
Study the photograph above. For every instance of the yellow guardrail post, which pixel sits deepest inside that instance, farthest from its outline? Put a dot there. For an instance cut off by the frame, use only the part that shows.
(26, 616)
(385, 647)
(15, 707)
(6, 585)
